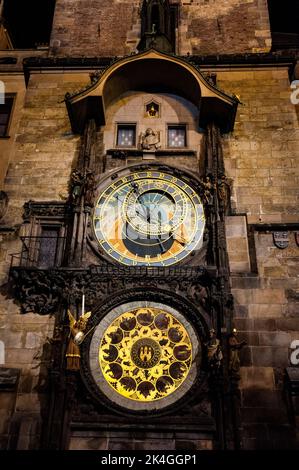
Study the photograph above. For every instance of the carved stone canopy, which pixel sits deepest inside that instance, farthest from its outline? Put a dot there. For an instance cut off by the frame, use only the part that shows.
(145, 71)
(44, 291)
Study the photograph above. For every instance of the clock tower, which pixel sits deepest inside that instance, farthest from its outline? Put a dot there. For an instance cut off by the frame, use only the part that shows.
(145, 247)
(145, 196)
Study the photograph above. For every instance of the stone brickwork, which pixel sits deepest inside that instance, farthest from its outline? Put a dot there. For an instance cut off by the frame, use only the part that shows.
(261, 156)
(112, 27)
(237, 244)
(95, 27)
(13, 84)
(266, 309)
(45, 148)
(139, 441)
(234, 26)
(261, 159)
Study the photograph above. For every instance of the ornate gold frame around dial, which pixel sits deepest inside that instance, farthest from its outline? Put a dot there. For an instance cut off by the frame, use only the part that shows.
(144, 356)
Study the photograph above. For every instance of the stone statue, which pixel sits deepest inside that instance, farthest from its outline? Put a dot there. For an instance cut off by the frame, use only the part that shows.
(150, 140)
(76, 337)
(214, 352)
(234, 348)
(90, 185)
(224, 190)
(208, 189)
(77, 182)
(3, 204)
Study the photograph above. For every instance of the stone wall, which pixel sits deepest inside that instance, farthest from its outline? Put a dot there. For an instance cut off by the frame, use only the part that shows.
(139, 441)
(112, 27)
(261, 157)
(26, 341)
(14, 83)
(45, 148)
(262, 154)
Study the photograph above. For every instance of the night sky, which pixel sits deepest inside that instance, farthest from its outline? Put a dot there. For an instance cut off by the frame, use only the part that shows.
(284, 16)
(29, 21)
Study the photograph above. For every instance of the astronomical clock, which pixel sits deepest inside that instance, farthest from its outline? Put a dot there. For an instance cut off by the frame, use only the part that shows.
(148, 218)
(143, 243)
(145, 355)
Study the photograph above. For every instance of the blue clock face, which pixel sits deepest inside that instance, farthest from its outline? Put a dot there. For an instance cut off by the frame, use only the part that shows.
(149, 218)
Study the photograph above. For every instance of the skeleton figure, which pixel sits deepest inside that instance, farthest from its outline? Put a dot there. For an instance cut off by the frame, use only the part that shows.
(209, 188)
(76, 337)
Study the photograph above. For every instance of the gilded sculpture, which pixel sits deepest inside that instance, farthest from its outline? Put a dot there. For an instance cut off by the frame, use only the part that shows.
(76, 337)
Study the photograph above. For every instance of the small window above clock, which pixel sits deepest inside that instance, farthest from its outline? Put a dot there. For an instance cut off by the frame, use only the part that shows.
(176, 135)
(126, 135)
(152, 110)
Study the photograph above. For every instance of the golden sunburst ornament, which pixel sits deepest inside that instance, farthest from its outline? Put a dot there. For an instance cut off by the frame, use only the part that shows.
(145, 354)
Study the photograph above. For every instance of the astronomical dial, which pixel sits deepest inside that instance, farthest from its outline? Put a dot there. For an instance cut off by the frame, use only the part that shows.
(149, 218)
(145, 354)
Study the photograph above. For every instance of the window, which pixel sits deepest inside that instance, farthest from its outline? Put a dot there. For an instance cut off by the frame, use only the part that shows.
(176, 136)
(5, 114)
(126, 135)
(48, 248)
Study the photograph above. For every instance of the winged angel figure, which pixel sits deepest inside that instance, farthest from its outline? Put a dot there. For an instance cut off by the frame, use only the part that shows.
(76, 337)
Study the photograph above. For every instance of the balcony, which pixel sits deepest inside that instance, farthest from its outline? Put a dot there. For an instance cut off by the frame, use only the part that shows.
(42, 252)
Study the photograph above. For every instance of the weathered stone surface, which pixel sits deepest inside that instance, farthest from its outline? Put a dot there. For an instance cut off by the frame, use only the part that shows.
(261, 158)
(98, 27)
(257, 378)
(270, 356)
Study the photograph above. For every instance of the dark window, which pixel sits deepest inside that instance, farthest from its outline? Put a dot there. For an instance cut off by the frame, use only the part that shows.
(48, 248)
(126, 135)
(174, 23)
(5, 114)
(176, 136)
(155, 19)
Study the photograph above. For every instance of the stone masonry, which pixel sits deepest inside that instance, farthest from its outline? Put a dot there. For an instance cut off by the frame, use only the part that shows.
(97, 27)
(261, 159)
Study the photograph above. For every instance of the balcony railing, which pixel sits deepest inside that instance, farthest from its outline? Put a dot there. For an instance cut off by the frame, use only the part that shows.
(42, 252)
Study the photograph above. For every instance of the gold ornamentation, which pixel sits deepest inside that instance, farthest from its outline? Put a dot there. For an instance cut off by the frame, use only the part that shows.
(145, 354)
(152, 110)
(77, 336)
(149, 218)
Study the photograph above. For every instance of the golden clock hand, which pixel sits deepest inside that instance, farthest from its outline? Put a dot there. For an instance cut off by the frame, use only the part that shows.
(179, 237)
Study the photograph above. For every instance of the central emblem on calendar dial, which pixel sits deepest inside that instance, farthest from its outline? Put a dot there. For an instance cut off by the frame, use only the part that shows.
(149, 218)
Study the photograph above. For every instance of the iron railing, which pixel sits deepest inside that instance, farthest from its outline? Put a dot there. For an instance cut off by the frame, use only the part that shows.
(41, 252)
